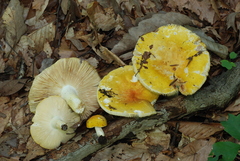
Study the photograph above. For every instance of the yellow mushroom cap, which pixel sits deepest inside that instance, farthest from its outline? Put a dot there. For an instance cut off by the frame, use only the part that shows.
(171, 59)
(121, 94)
(96, 121)
(52, 122)
(73, 79)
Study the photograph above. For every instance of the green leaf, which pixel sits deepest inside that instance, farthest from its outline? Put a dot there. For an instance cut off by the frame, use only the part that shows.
(227, 64)
(232, 126)
(226, 150)
(233, 64)
(233, 55)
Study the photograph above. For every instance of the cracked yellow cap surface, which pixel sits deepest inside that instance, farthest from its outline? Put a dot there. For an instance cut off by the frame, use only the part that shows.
(120, 93)
(171, 59)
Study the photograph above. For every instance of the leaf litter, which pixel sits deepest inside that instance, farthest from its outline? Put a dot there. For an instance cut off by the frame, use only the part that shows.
(33, 39)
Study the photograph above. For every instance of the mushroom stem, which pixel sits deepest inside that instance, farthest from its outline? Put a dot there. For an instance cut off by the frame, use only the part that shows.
(59, 124)
(99, 131)
(69, 94)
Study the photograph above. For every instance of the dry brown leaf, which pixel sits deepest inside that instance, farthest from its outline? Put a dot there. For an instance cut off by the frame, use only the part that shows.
(231, 20)
(65, 6)
(157, 137)
(34, 150)
(37, 4)
(235, 106)
(70, 35)
(198, 130)
(93, 62)
(65, 51)
(108, 56)
(218, 49)
(19, 117)
(47, 49)
(8, 141)
(2, 65)
(10, 87)
(148, 25)
(34, 21)
(14, 24)
(214, 6)
(197, 150)
(237, 8)
(42, 35)
(46, 63)
(201, 8)
(103, 18)
(132, 7)
(123, 151)
(91, 39)
(5, 113)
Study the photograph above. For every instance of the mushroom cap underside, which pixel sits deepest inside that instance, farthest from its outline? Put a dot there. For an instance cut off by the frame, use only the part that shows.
(70, 72)
(171, 59)
(45, 130)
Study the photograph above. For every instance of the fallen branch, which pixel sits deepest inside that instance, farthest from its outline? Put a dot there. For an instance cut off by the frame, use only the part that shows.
(218, 94)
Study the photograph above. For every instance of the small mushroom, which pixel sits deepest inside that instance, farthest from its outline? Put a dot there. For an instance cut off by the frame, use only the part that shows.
(120, 93)
(52, 122)
(71, 78)
(97, 122)
(171, 59)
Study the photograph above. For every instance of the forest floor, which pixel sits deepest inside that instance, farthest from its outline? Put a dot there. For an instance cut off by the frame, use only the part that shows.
(36, 33)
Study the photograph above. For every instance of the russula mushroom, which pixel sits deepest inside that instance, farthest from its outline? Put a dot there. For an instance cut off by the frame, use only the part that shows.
(120, 93)
(97, 122)
(171, 59)
(52, 122)
(73, 79)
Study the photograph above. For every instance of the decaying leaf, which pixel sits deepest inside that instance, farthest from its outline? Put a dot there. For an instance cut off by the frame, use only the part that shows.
(107, 55)
(231, 20)
(234, 106)
(205, 13)
(123, 151)
(46, 63)
(65, 6)
(40, 36)
(40, 7)
(10, 87)
(103, 18)
(196, 150)
(199, 130)
(2, 65)
(218, 49)
(94, 40)
(33, 149)
(65, 51)
(148, 25)
(14, 24)
(5, 113)
(70, 35)
(158, 138)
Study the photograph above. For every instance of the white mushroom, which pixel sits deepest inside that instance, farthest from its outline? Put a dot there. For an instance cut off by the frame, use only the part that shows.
(71, 78)
(52, 122)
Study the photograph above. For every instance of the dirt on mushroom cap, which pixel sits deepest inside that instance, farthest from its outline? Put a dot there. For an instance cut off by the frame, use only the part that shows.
(171, 59)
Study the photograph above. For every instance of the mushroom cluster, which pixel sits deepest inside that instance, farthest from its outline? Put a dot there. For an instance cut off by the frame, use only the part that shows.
(61, 96)
(164, 62)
